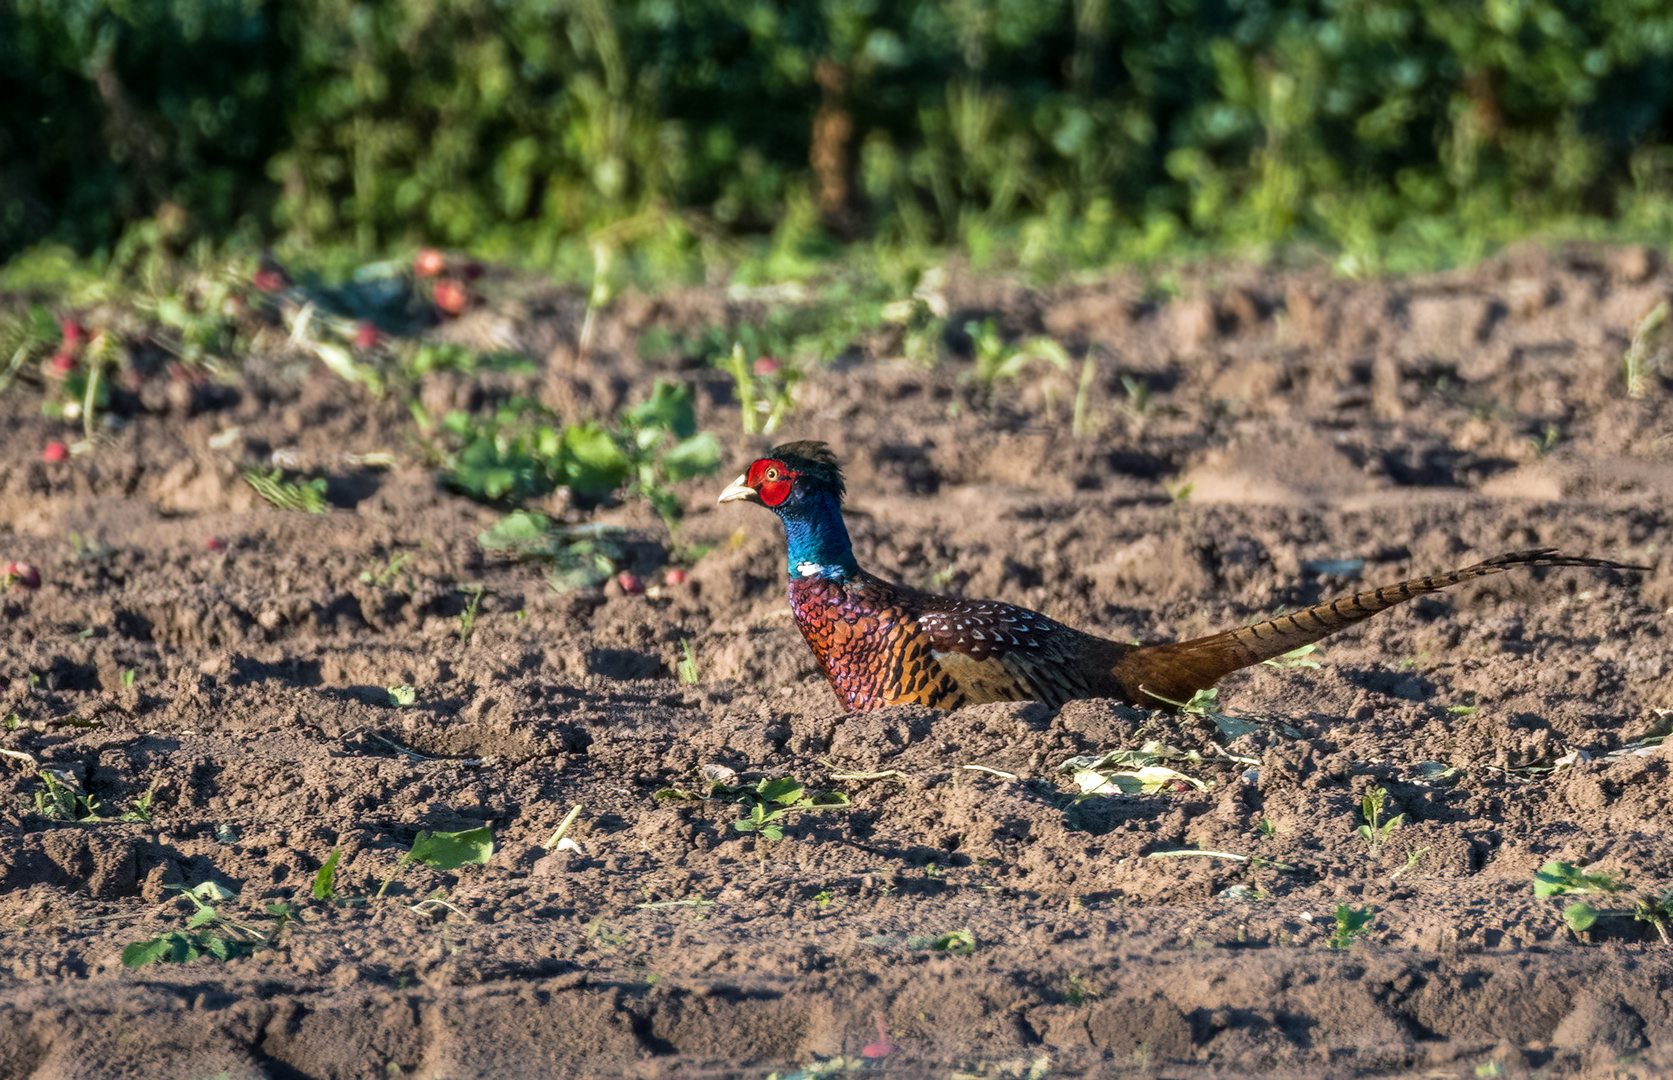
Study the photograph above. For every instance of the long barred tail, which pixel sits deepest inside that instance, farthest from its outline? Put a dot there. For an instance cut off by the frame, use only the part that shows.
(1177, 671)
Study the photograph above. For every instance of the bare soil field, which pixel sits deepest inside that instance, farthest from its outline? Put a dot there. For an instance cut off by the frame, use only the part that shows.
(1292, 438)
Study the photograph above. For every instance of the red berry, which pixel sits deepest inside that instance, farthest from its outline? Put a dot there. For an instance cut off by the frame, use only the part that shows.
(269, 280)
(23, 575)
(365, 336)
(215, 543)
(632, 584)
(74, 335)
(63, 363)
(451, 296)
(429, 262)
(765, 365)
(675, 576)
(55, 452)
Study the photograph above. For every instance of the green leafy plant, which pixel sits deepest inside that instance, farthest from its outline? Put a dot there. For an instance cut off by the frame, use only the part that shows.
(304, 496)
(388, 573)
(518, 454)
(444, 851)
(770, 802)
(209, 932)
(467, 617)
(1351, 925)
(61, 798)
(325, 878)
(687, 669)
(961, 942)
(581, 556)
(1375, 830)
(1557, 878)
(402, 696)
(997, 361)
(765, 388)
(1302, 657)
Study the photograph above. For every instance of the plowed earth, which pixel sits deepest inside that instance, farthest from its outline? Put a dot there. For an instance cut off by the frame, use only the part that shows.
(1334, 436)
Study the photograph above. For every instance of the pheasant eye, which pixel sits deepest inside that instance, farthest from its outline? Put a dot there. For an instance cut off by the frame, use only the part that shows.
(772, 474)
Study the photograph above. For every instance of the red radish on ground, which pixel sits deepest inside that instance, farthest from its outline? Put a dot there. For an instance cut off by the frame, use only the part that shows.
(269, 280)
(632, 584)
(22, 575)
(451, 296)
(215, 543)
(63, 363)
(365, 336)
(429, 262)
(73, 333)
(765, 365)
(674, 576)
(55, 452)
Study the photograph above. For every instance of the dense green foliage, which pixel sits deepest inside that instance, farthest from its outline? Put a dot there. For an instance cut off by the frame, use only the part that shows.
(1075, 129)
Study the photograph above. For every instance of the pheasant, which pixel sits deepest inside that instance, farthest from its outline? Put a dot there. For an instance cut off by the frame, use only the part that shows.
(885, 644)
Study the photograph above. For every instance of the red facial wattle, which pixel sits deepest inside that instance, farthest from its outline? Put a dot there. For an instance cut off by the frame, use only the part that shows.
(771, 480)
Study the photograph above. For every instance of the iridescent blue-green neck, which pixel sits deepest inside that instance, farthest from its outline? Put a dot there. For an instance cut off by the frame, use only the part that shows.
(817, 538)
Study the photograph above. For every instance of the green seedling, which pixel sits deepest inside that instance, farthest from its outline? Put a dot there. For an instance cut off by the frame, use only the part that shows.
(1082, 424)
(1081, 990)
(581, 556)
(467, 617)
(1545, 442)
(144, 808)
(1558, 878)
(765, 388)
(1375, 830)
(209, 932)
(1297, 658)
(961, 942)
(687, 667)
(518, 453)
(325, 879)
(308, 498)
(998, 361)
(402, 696)
(444, 851)
(770, 802)
(385, 576)
(1140, 402)
(1351, 925)
(61, 798)
(128, 676)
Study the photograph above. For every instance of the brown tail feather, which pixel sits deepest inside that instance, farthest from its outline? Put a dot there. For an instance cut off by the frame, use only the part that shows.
(1175, 672)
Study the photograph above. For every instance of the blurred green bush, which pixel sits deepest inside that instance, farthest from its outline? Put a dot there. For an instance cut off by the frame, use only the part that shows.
(1074, 129)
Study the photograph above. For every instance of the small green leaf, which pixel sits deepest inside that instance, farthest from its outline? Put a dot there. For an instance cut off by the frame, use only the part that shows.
(325, 880)
(590, 461)
(669, 408)
(699, 455)
(958, 942)
(1580, 916)
(141, 953)
(203, 915)
(449, 851)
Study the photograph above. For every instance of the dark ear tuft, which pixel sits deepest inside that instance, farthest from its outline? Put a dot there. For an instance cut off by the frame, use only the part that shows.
(815, 461)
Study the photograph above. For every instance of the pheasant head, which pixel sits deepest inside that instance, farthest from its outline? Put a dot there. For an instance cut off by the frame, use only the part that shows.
(801, 482)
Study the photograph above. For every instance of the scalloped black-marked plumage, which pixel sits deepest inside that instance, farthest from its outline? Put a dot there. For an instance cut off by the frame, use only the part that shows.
(885, 644)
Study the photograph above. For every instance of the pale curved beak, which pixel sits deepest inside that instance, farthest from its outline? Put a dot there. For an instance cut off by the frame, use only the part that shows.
(740, 491)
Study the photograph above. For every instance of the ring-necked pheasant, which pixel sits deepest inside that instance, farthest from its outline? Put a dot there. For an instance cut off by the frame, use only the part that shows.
(884, 644)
